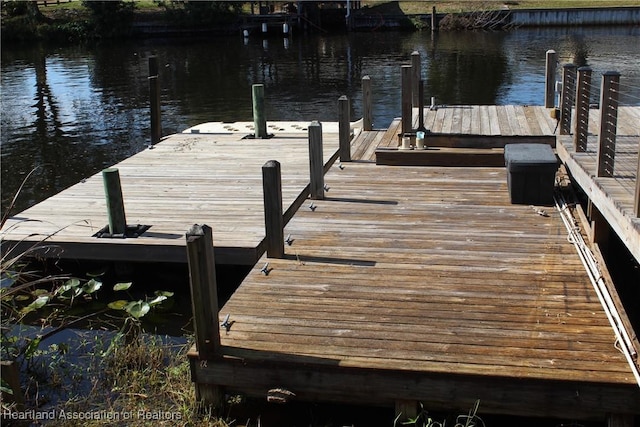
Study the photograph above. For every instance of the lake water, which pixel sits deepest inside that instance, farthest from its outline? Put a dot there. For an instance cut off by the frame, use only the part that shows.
(72, 111)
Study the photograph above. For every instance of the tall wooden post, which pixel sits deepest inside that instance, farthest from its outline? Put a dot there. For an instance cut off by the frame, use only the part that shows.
(581, 110)
(259, 120)
(204, 291)
(273, 219)
(204, 303)
(316, 167)
(154, 101)
(434, 20)
(416, 75)
(367, 104)
(153, 66)
(421, 126)
(406, 99)
(115, 202)
(344, 128)
(567, 97)
(550, 79)
(608, 123)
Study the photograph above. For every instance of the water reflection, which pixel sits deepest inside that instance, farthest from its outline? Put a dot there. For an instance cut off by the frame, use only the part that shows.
(75, 110)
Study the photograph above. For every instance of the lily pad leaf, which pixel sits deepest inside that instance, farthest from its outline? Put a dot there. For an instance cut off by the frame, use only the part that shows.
(72, 283)
(138, 308)
(118, 305)
(36, 304)
(92, 286)
(122, 286)
(167, 294)
(157, 300)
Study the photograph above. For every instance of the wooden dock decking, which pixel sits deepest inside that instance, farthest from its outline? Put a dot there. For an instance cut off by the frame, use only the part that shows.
(425, 284)
(404, 284)
(211, 177)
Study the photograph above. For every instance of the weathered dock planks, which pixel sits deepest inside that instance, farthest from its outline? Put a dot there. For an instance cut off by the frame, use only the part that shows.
(211, 176)
(425, 284)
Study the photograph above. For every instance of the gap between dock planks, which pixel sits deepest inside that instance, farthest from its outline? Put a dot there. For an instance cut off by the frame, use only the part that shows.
(427, 270)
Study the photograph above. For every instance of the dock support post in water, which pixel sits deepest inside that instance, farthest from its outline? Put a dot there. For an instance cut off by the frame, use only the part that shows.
(259, 121)
(204, 303)
(550, 79)
(115, 202)
(608, 123)
(406, 99)
(434, 20)
(416, 75)
(581, 122)
(567, 97)
(344, 128)
(316, 166)
(367, 104)
(154, 101)
(273, 219)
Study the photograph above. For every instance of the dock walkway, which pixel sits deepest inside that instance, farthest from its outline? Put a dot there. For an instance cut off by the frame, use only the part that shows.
(425, 284)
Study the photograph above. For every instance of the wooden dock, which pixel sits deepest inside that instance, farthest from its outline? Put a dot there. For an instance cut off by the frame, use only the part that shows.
(209, 175)
(616, 196)
(425, 284)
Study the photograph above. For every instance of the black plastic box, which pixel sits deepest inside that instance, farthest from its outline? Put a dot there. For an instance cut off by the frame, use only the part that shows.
(531, 172)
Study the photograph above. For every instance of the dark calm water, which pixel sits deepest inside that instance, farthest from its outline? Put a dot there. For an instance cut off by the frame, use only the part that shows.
(71, 111)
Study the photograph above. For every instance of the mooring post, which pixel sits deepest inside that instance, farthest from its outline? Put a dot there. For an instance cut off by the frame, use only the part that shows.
(416, 74)
(154, 101)
(204, 303)
(581, 121)
(608, 123)
(550, 79)
(153, 66)
(421, 126)
(316, 161)
(567, 97)
(434, 20)
(273, 219)
(259, 120)
(367, 104)
(115, 202)
(406, 100)
(344, 128)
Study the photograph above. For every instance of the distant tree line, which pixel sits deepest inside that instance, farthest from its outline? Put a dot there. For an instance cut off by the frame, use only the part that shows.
(23, 20)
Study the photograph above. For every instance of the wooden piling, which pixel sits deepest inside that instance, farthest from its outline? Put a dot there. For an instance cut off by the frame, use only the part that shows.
(259, 120)
(115, 201)
(567, 97)
(608, 123)
(367, 104)
(406, 99)
(416, 75)
(204, 303)
(581, 121)
(154, 102)
(273, 219)
(550, 78)
(316, 161)
(421, 126)
(344, 128)
(153, 66)
(434, 20)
